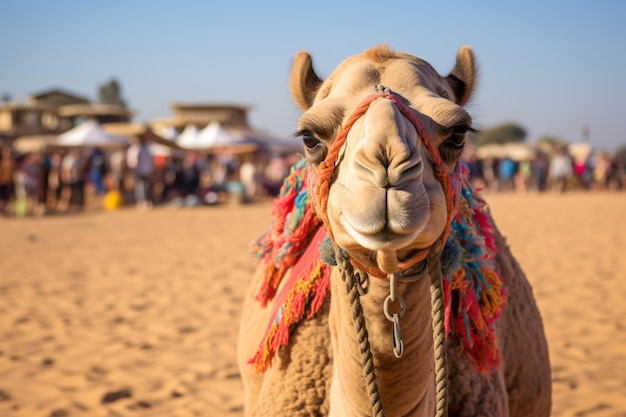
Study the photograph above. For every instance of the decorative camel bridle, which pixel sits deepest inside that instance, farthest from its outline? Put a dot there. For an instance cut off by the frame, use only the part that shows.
(352, 278)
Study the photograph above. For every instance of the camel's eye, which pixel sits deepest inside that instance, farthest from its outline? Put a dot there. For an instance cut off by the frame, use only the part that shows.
(456, 139)
(311, 142)
(452, 147)
(314, 147)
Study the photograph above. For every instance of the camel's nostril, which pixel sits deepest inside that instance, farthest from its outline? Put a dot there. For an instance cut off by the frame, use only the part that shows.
(369, 171)
(407, 171)
(386, 174)
(386, 154)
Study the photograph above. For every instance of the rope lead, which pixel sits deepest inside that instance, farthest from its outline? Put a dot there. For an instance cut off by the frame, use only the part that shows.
(438, 314)
(367, 360)
(351, 283)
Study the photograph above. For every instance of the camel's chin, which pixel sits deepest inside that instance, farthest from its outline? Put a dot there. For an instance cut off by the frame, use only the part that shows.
(385, 260)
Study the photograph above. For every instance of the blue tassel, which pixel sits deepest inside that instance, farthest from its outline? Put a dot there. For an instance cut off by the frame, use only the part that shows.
(327, 252)
(451, 257)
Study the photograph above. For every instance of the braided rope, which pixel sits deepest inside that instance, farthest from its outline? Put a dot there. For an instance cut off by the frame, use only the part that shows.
(367, 360)
(438, 315)
(439, 334)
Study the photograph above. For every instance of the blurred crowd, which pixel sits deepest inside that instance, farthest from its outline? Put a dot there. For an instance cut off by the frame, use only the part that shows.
(68, 180)
(558, 172)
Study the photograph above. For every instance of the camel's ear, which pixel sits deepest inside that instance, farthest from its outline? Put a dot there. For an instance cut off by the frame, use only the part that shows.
(303, 80)
(462, 79)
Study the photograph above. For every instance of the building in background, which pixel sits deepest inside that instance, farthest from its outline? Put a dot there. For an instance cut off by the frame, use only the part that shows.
(52, 112)
(39, 116)
(232, 117)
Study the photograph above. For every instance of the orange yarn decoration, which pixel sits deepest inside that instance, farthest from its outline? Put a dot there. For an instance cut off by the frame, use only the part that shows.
(326, 171)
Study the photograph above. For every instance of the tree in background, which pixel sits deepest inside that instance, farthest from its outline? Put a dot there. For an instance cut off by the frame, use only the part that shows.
(111, 93)
(505, 133)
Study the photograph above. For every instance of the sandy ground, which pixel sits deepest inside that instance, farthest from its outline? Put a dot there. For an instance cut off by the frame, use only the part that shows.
(134, 313)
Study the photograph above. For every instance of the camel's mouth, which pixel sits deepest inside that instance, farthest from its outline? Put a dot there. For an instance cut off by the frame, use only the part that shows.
(382, 240)
(379, 219)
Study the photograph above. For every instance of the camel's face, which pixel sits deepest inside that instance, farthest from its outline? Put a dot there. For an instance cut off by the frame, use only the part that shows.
(384, 203)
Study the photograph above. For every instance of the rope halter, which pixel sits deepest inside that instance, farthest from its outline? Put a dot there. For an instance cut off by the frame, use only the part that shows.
(321, 192)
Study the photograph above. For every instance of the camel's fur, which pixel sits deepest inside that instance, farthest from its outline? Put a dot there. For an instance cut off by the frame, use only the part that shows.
(318, 373)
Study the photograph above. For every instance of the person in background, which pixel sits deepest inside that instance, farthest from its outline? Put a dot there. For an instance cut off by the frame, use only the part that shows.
(561, 170)
(72, 193)
(141, 161)
(8, 166)
(53, 181)
(191, 168)
(507, 169)
(171, 179)
(219, 177)
(117, 165)
(541, 165)
(248, 177)
(97, 170)
(524, 176)
(27, 179)
(490, 173)
(274, 174)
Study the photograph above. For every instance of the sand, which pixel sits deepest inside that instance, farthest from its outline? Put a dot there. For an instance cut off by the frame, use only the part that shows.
(135, 313)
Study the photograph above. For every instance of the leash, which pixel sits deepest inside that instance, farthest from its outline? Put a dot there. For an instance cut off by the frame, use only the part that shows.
(351, 282)
(353, 288)
(438, 315)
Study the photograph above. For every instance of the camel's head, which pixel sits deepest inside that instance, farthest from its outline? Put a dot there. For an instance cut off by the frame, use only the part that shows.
(385, 203)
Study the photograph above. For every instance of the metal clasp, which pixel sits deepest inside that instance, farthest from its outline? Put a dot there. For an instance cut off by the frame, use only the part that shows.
(398, 346)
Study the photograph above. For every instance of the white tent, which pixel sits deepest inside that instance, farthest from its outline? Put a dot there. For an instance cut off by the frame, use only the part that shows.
(89, 133)
(167, 132)
(214, 136)
(188, 137)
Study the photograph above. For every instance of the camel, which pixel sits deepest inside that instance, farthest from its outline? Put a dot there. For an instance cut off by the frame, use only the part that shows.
(383, 137)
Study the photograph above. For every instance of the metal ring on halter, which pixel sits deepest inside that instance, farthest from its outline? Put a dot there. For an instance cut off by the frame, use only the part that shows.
(398, 345)
(388, 315)
(393, 296)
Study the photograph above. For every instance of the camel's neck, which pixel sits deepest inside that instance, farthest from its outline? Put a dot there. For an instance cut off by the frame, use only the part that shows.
(406, 384)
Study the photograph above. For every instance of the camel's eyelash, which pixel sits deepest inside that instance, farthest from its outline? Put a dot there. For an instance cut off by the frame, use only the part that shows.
(303, 132)
(466, 128)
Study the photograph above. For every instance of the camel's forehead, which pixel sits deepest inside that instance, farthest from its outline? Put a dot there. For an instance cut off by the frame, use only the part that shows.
(407, 76)
(400, 72)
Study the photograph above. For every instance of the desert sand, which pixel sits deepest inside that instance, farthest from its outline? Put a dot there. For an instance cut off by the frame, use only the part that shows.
(135, 313)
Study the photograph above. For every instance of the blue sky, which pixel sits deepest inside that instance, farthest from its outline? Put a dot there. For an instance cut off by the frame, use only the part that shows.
(553, 67)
